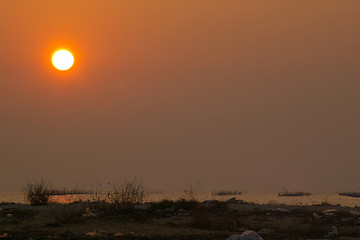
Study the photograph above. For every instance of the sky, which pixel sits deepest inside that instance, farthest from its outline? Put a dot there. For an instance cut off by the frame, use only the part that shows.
(246, 95)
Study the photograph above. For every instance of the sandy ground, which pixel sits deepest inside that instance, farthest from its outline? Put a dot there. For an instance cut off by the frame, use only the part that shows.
(208, 220)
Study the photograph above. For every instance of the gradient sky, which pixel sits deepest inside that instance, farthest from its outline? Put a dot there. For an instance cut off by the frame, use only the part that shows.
(247, 95)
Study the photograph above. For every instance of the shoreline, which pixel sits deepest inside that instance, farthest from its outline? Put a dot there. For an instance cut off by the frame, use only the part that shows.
(177, 220)
(253, 197)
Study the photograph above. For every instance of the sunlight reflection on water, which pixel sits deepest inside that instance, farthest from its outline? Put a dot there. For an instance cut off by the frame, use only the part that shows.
(252, 197)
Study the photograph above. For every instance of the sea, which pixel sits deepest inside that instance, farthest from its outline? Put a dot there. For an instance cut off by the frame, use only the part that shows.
(250, 197)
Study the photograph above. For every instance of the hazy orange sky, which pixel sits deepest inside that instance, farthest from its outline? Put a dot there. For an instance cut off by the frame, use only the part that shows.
(247, 95)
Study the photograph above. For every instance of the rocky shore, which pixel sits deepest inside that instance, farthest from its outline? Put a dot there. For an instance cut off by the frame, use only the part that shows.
(182, 219)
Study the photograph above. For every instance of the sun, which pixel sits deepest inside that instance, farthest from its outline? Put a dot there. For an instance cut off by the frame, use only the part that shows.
(63, 60)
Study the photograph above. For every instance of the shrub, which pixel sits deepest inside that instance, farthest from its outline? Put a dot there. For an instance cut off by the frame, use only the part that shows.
(38, 193)
(190, 192)
(293, 194)
(128, 193)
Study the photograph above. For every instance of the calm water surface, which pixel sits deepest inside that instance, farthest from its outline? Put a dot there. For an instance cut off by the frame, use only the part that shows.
(252, 197)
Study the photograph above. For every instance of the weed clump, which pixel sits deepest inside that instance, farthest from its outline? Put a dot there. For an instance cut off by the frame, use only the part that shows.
(128, 194)
(38, 193)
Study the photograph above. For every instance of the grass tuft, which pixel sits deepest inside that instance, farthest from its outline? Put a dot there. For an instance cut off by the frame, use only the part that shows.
(38, 193)
(128, 194)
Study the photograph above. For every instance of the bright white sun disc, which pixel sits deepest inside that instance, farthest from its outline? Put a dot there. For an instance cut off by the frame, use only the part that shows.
(63, 60)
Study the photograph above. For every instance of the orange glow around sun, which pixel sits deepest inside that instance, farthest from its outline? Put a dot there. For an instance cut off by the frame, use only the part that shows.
(63, 60)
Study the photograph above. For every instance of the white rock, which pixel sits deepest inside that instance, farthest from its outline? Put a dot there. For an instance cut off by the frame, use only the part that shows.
(247, 235)
(329, 211)
(333, 233)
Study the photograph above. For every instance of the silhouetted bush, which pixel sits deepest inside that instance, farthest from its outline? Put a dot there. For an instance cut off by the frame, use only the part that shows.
(38, 193)
(128, 193)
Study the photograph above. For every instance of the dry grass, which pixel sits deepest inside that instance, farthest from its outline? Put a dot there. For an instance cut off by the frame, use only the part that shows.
(38, 193)
(128, 193)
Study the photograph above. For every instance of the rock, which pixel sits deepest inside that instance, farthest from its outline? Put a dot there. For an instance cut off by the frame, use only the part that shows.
(284, 210)
(329, 211)
(93, 234)
(208, 202)
(5, 235)
(118, 235)
(333, 233)
(316, 217)
(231, 200)
(88, 213)
(247, 235)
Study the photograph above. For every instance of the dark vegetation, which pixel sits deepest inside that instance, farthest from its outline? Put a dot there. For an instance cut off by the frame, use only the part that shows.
(226, 193)
(293, 194)
(128, 193)
(350, 194)
(38, 193)
(123, 213)
(73, 191)
(168, 219)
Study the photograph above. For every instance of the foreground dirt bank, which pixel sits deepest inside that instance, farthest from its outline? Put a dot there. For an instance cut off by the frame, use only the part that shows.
(177, 220)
